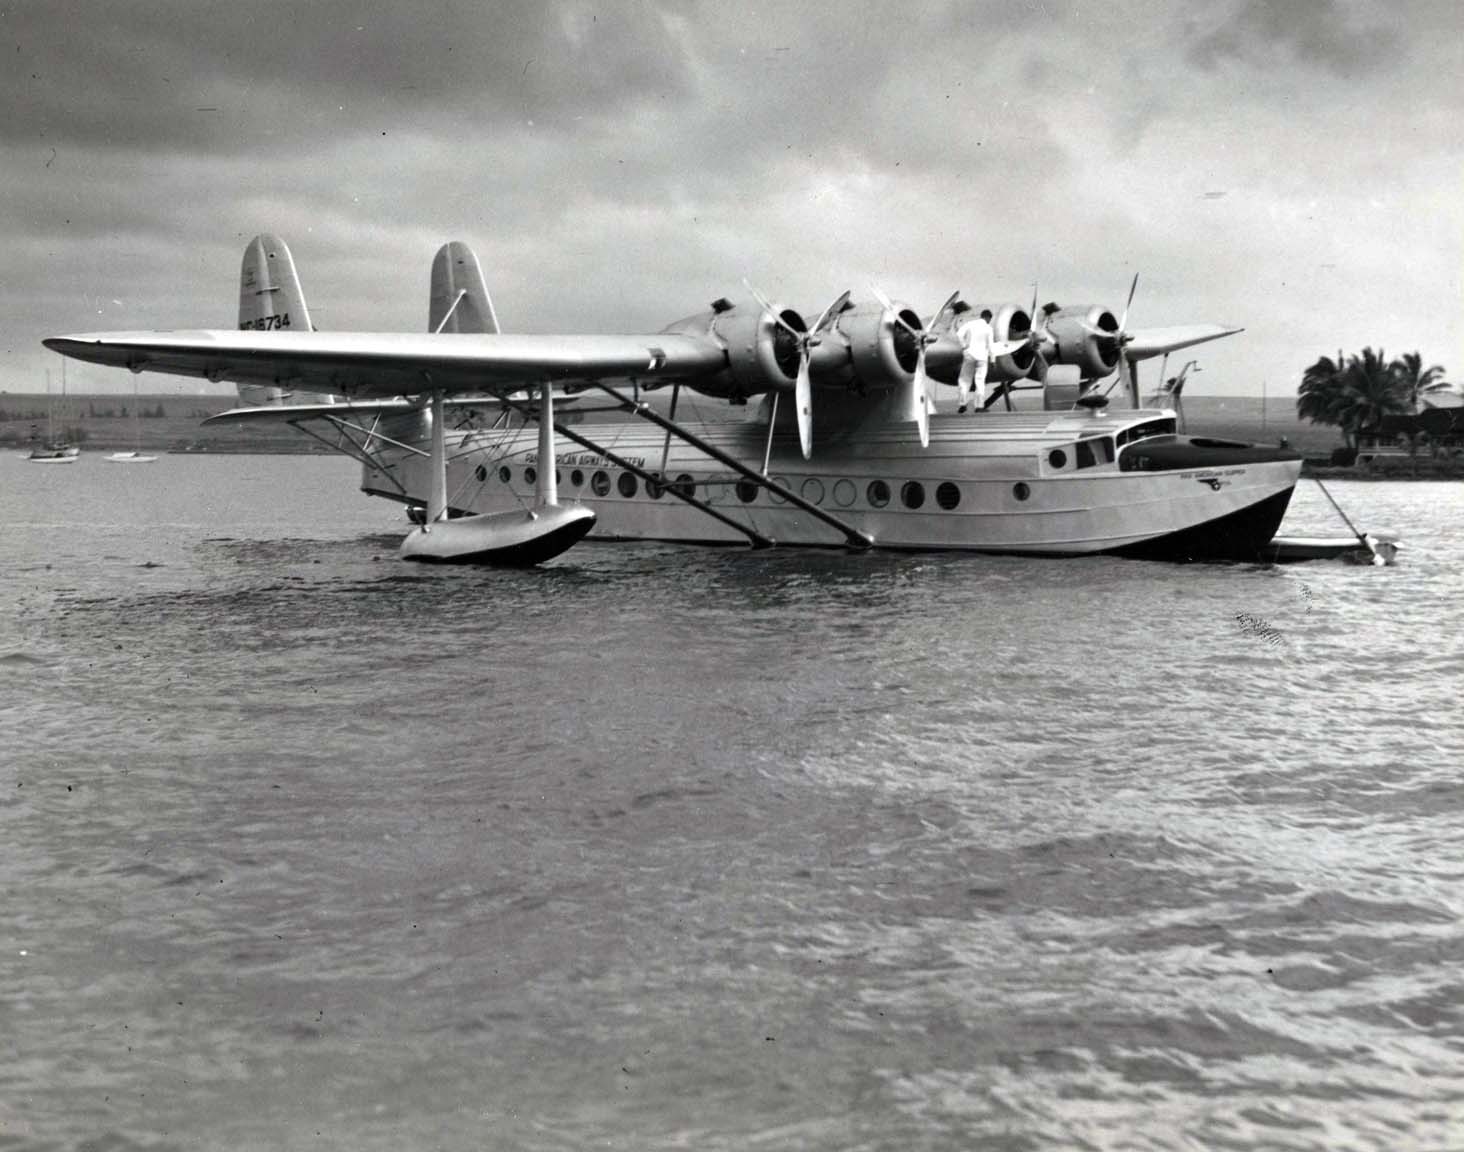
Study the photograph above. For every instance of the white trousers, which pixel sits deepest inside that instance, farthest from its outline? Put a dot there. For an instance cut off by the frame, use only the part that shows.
(973, 377)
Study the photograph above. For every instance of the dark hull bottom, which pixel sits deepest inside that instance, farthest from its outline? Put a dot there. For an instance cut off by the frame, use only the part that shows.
(1242, 535)
(523, 555)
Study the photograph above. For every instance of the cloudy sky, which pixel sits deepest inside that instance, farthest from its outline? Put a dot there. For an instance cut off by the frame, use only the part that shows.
(1293, 166)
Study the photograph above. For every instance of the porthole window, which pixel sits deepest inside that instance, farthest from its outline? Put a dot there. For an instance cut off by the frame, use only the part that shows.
(1057, 458)
(773, 496)
(655, 489)
(600, 483)
(746, 490)
(813, 490)
(686, 485)
(577, 478)
(481, 472)
(531, 475)
(627, 484)
(912, 494)
(844, 493)
(1020, 490)
(947, 495)
(504, 474)
(878, 493)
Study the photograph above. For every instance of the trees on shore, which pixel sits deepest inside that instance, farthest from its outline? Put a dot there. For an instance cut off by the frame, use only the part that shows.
(1355, 393)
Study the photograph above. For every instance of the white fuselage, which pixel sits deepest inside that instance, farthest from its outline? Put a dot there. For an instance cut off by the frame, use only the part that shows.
(1026, 482)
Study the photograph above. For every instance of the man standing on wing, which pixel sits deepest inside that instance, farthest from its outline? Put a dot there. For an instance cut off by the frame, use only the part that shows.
(975, 336)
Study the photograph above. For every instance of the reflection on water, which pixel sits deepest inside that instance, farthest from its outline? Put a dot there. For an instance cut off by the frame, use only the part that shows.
(671, 848)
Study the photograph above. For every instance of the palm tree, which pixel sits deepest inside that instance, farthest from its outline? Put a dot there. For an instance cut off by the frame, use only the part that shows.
(1353, 393)
(1321, 389)
(1414, 377)
(1372, 389)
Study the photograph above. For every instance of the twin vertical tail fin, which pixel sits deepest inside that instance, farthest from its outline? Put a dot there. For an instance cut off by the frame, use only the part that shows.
(270, 300)
(459, 300)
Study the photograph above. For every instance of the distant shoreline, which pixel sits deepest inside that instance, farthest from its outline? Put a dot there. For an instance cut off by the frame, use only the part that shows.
(174, 424)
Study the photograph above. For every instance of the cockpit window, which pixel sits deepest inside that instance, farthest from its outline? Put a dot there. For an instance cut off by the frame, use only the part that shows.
(1161, 427)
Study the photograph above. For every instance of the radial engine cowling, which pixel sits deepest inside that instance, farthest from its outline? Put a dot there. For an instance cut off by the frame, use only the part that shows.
(1094, 356)
(1012, 323)
(870, 347)
(762, 354)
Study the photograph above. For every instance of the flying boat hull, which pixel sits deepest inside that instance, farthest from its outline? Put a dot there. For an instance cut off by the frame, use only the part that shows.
(997, 482)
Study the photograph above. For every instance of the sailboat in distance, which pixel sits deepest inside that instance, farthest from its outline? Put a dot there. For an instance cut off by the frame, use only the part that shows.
(56, 449)
(136, 455)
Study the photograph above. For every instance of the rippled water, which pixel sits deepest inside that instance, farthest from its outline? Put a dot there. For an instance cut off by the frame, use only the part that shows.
(674, 848)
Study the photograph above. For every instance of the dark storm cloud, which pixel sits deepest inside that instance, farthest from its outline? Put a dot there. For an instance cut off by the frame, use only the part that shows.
(617, 166)
(1316, 33)
(225, 76)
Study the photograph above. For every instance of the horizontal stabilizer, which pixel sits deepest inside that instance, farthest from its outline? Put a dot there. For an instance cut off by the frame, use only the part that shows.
(1149, 342)
(285, 414)
(290, 413)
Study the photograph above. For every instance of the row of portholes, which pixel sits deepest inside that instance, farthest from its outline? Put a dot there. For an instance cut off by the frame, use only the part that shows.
(877, 492)
(626, 483)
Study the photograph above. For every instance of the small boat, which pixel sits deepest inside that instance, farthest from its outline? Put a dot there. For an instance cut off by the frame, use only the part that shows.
(135, 456)
(55, 449)
(55, 452)
(1376, 548)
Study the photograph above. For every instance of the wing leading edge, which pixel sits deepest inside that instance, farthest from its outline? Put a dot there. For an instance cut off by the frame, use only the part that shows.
(385, 364)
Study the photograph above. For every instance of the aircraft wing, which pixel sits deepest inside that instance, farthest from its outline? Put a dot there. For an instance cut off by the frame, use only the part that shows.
(1149, 342)
(398, 363)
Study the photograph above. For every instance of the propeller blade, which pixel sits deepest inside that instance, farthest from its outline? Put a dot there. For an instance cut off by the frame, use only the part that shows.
(943, 315)
(831, 313)
(767, 306)
(1123, 324)
(803, 397)
(923, 401)
(889, 306)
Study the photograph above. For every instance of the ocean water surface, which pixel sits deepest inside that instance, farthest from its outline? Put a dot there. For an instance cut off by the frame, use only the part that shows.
(673, 848)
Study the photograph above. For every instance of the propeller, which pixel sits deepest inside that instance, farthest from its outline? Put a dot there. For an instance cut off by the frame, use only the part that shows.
(924, 337)
(807, 341)
(1037, 338)
(1120, 339)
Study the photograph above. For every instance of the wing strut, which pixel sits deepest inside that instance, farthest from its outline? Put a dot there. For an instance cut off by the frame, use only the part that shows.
(852, 536)
(756, 538)
(437, 492)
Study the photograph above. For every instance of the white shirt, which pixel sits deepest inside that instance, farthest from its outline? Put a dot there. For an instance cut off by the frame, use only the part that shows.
(975, 336)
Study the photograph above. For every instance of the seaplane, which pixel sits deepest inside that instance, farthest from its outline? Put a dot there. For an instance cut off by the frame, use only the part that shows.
(835, 433)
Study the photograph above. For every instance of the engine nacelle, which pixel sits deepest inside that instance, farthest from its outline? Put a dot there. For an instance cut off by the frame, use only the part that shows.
(1068, 329)
(868, 347)
(762, 355)
(1012, 322)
